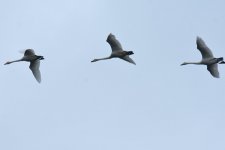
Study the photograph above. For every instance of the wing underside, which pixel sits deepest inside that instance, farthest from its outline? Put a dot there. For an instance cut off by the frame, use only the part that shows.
(34, 67)
(203, 48)
(114, 43)
(128, 59)
(213, 69)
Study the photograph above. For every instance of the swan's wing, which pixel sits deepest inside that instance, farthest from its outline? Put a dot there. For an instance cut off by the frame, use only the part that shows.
(114, 43)
(203, 48)
(29, 52)
(128, 59)
(213, 69)
(34, 67)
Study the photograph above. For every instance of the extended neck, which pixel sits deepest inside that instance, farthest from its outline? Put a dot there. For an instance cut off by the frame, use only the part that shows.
(101, 59)
(9, 62)
(195, 63)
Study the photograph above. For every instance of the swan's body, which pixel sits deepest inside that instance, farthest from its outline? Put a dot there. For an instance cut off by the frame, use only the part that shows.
(117, 50)
(207, 58)
(29, 56)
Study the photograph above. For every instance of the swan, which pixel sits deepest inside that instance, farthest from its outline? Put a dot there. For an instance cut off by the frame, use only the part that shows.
(117, 50)
(29, 55)
(207, 58)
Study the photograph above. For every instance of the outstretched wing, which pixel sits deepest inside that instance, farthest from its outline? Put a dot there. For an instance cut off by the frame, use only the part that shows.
(29, 52)
(213, 69)
(128, 59)
(203, 48)
(34, 67)
(114, 43)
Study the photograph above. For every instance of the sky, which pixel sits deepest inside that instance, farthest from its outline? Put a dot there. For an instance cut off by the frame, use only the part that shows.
(108, 105)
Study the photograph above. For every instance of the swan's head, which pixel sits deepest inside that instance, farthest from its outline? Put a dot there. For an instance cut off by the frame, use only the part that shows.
(129, 52)
(184, 64)
(220, 59)
(8, 62)
(41, 58)
(94, 60)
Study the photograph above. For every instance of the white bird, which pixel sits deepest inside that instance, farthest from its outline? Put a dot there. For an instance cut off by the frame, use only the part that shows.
(117, 50)
(29, 55)
(207, 58)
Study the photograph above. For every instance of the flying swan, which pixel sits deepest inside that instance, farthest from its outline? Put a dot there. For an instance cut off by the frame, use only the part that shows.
(29, 56)
(207, 58)
(117, 50)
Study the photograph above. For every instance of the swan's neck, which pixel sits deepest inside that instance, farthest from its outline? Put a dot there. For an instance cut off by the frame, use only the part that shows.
(101, 59)
(195, 63)
(9, 62)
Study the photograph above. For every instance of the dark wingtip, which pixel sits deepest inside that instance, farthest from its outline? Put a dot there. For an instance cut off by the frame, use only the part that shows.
(110, 36)
(217, 77)
(198, 38)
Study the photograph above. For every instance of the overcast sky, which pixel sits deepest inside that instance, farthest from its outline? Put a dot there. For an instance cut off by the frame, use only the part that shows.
(111, 105)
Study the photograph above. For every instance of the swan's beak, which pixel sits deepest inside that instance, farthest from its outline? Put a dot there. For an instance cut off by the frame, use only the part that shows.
(222, 62)
(94, 60)
(40, 58)
(7, 63)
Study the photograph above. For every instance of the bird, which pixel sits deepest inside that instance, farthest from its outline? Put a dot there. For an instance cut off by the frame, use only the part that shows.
(117, 50)
(29, 56)
(207, 58)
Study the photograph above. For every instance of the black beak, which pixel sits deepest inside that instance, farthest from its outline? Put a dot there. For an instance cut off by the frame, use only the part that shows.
(222, 62)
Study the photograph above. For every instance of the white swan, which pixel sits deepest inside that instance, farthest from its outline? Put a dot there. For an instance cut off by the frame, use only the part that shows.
(29, 55)
(117, 50)
(207, 58)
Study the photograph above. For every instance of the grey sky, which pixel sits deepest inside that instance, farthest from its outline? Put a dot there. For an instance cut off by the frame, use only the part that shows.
(111, 105)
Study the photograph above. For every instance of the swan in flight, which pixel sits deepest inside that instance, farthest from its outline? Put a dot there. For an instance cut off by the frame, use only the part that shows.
(207, 58)
(29, 55)
(117, 50)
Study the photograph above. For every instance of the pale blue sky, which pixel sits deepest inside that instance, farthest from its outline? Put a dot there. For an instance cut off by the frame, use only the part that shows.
(111, 105)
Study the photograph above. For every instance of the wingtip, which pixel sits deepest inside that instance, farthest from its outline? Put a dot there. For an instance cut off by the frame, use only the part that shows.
(132, 62)
(215, 75)
(218, 76)
(39, 81)
(110, 35)
(198, 38)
